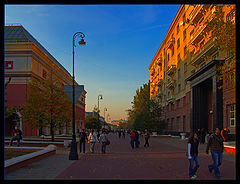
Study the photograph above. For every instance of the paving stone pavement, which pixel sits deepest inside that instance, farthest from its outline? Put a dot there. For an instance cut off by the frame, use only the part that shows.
(164, 159)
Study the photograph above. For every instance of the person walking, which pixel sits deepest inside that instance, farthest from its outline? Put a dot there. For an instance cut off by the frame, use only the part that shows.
(123, 133)
(92, 139)
(136, 139)
(193, 155)
(199, 135)
(215, 144)
(146, 136)
(16, 135)
(103, 139)
(119, 133)
(203, 136)
(132, 137)
(83, 138)
(224, 134)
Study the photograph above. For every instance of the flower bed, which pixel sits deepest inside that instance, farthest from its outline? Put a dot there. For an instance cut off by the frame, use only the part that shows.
(11, 152)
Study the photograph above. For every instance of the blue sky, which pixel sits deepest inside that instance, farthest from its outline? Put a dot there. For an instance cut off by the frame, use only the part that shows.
(121, 43)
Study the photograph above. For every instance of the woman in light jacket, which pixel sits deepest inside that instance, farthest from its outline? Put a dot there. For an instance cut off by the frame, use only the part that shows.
(92, 139)
(193, 155)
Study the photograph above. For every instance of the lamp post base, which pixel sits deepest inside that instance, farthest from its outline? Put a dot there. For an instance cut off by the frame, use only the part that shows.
(73, 155)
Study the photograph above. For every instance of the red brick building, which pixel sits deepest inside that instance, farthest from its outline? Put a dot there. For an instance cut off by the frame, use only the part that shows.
(25, 58)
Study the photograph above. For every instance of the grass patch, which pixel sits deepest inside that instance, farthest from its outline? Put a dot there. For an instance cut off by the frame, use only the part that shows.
(12, 153)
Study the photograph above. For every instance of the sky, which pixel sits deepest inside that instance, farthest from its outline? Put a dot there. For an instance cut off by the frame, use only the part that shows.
(121, 41)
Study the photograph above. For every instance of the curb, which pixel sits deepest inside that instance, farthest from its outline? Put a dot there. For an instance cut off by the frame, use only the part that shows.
(18, 162)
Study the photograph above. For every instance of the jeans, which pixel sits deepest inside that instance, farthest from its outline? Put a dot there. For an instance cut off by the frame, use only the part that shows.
(103, 147)
(13, 139)
(92, 144)
(132, 143)
(192, 170)
(82, 143)
(146, 142)
(137, 143)
(217, 161)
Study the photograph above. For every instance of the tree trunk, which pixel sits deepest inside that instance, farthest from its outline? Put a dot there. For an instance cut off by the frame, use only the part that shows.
(52, 130)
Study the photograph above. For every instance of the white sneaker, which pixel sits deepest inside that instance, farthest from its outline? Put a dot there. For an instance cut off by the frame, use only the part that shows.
(193, 177)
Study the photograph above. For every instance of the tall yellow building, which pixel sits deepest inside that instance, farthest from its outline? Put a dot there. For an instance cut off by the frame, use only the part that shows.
(183, 74)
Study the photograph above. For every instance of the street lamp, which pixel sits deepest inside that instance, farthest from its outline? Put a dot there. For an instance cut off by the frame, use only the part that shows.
(98, 105)
(105, 109)
(73, 155)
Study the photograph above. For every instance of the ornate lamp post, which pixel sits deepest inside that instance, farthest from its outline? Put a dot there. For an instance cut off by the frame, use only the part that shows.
(105, 109)
(73, 153)
(98, 105)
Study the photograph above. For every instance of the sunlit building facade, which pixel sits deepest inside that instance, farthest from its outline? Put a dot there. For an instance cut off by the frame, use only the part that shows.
(25, 58)
(183, 74)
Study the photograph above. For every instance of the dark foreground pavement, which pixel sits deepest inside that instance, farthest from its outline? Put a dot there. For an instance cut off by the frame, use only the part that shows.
(165, 159)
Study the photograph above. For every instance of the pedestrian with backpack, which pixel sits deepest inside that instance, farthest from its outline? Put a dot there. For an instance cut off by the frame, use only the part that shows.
(103, 139)
(92, 139)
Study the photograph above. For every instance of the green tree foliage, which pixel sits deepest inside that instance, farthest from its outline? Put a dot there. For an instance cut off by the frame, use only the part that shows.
(224, 36)
(145, 112)
(46, 105)
(91, 122)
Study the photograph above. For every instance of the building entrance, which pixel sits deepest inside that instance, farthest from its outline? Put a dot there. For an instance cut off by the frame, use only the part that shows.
(206, 99)
(202, 116)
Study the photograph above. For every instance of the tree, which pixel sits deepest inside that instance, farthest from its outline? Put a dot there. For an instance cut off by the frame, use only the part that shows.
(91, 122)
(145, 112)
(47, 104)
(223, 33)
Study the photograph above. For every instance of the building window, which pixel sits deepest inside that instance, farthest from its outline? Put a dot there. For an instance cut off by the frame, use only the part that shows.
(232, 115)
(191, 33)
(232, 79)
(172, 51)
(179, 87)
(201, 44)
(8, 64)
(184, 34)
(179, 123)
(44, 74)
(215, 57)
(184, 19)
(184, 101)
(178, 43)
(185, 51)
(179, 73)
(172, 107)
(178, 28)
(185, 67)
(178, 58)
(231, 15)
(172, 123)
(178, 102)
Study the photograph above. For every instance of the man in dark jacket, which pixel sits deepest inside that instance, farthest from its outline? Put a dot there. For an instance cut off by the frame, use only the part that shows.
(17, 135)
(215, 144)
(136, 139)
(83, 138)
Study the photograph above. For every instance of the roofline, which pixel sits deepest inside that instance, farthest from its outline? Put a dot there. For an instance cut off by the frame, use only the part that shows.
(167, 34)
